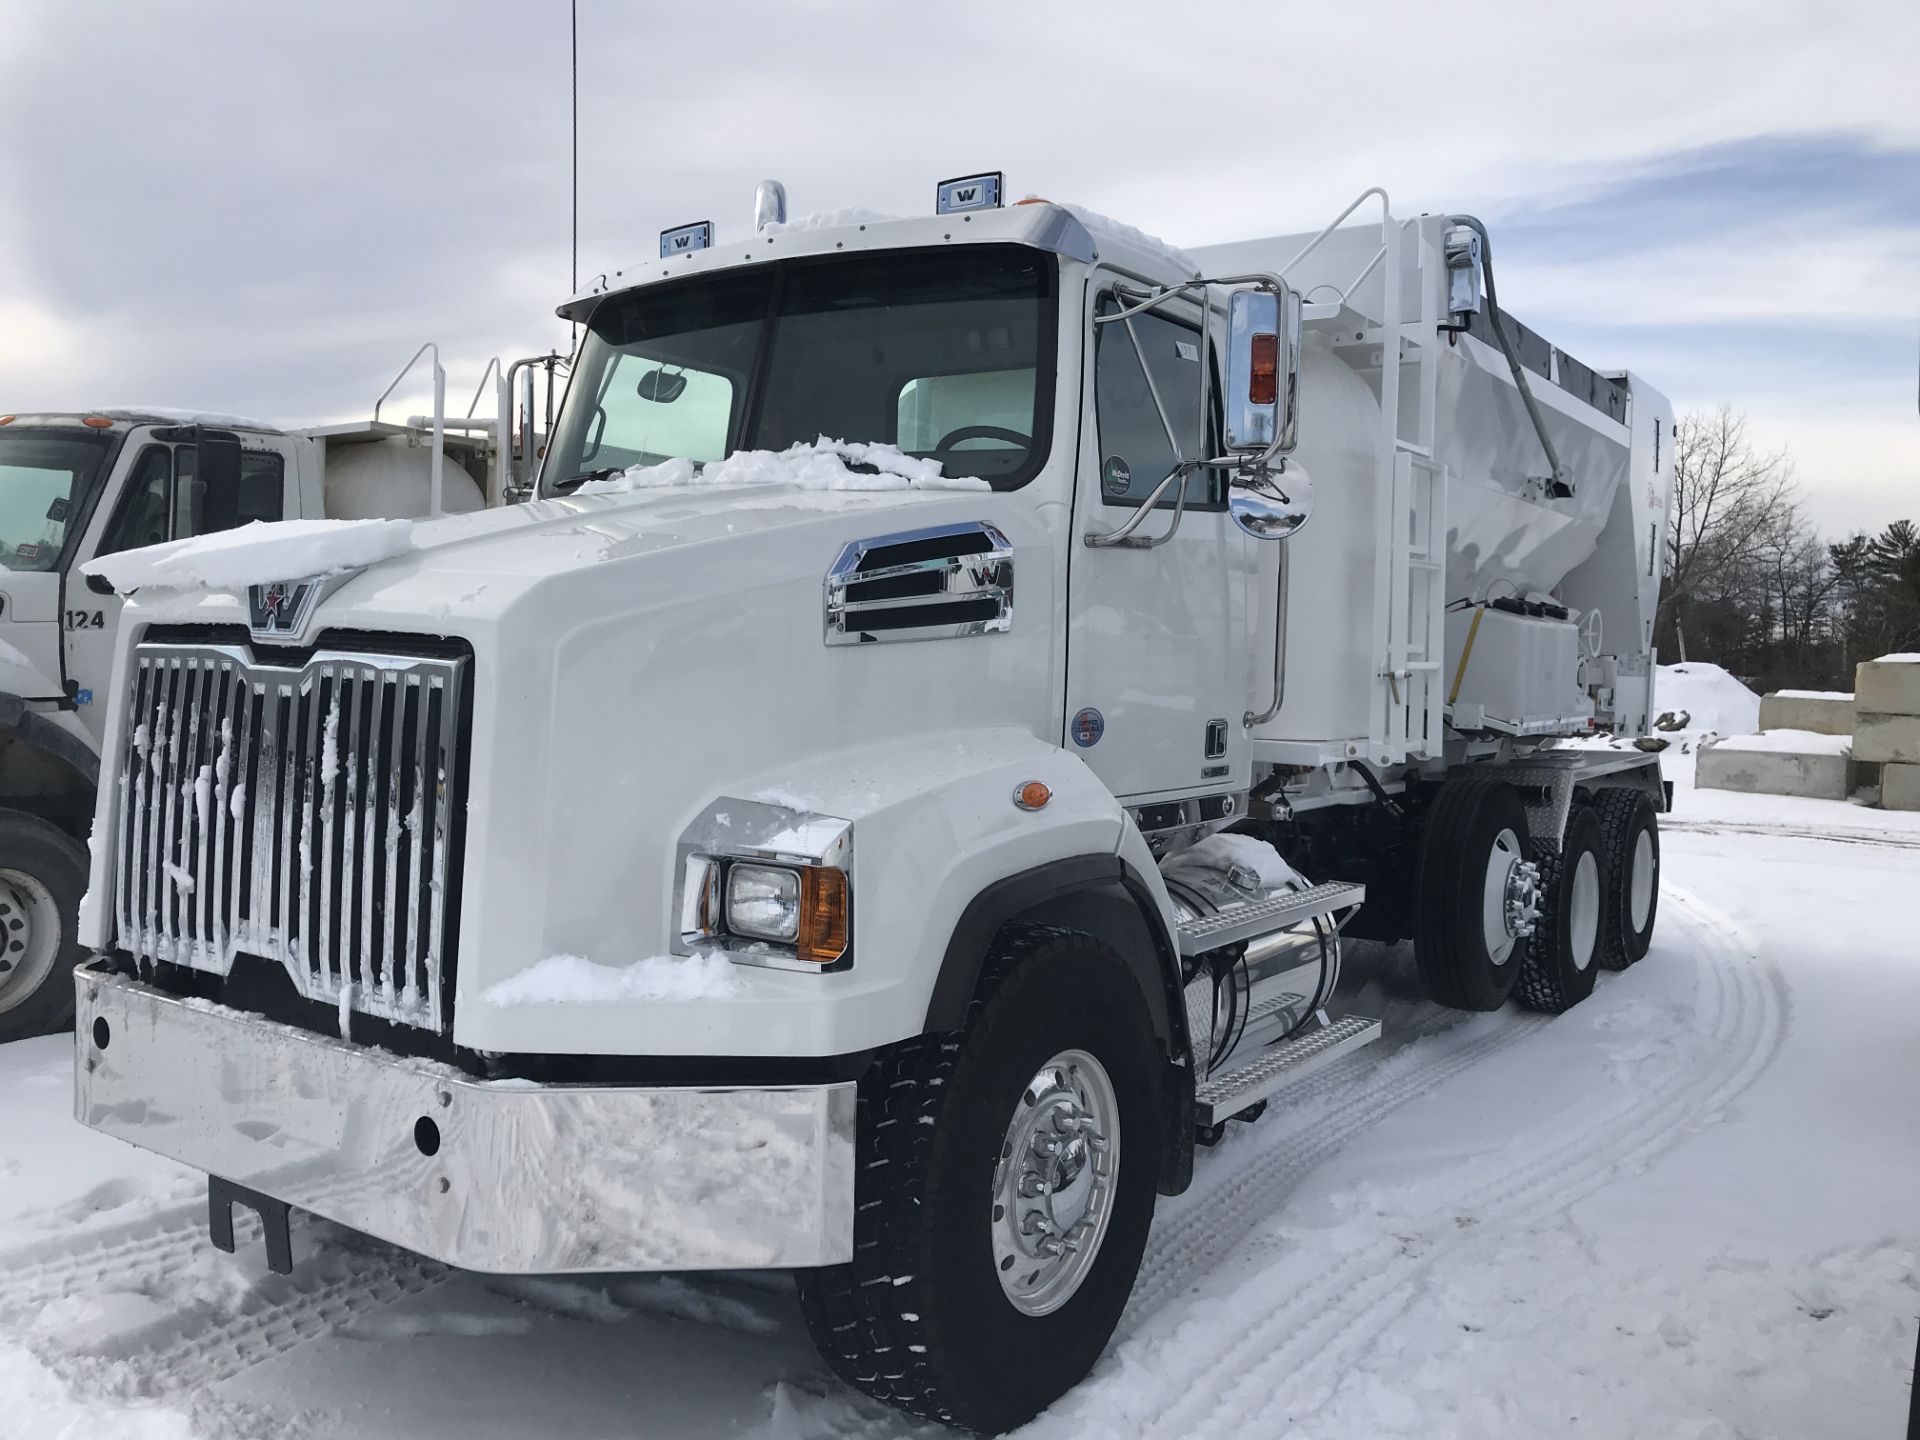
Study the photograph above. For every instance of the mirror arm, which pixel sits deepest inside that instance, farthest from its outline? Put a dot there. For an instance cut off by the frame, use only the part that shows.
(1123, 537)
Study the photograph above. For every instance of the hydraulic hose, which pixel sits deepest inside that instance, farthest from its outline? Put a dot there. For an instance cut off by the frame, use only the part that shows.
(1559, 482)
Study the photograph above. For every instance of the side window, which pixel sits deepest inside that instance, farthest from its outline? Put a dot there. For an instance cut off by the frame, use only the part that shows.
(258, 495)
(164, 502)
(146, 507)
(1135, 455)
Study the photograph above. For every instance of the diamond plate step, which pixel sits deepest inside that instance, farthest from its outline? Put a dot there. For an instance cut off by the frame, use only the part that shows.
(1248, 922)
(1280, 1066)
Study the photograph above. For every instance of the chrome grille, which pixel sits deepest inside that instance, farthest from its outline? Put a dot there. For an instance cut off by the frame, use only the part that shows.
(303, 812)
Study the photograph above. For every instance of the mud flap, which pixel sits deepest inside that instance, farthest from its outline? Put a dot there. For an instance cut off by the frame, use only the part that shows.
(223, 1195)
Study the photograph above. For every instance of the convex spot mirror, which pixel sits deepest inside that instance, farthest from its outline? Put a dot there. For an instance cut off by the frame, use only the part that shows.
(1272, 503)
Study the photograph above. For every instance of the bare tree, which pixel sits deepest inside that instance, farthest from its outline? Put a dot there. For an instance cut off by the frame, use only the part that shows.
(1727, 496)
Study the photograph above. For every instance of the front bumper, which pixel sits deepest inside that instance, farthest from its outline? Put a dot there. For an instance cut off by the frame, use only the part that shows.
(506, 1177)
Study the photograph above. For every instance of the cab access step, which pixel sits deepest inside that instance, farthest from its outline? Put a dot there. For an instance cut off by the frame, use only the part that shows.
(1317, 1044)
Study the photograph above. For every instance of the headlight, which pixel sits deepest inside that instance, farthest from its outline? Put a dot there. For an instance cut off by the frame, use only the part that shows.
(763, 902)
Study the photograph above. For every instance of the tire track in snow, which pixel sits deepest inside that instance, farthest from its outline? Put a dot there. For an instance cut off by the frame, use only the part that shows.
(154, 1254)
(1881, 839)
(280, 1314)
(118, 1257)
(1233, 1194)
(1296, 1346)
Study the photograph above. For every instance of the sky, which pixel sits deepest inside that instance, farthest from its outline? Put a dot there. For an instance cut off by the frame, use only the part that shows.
(265, 208)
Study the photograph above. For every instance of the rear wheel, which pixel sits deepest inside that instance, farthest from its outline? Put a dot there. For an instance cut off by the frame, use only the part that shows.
(1004, 1187)
(1477, 894)
(1563, 953)
(43, 874)
(1630, 847)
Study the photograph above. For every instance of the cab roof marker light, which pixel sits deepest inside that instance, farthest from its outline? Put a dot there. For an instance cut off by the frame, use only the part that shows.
(686, 239)
(970, 192)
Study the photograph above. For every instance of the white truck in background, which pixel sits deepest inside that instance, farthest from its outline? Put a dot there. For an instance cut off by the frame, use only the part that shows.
(889, 856)
(81, 485)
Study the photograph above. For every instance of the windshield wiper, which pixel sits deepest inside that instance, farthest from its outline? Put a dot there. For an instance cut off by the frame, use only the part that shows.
(560, 487)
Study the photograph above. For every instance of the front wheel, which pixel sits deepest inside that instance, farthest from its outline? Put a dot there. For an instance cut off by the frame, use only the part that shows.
(43, 874)
(1004, 1188)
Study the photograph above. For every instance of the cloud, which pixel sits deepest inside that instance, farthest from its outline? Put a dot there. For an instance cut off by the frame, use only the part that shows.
(265, 208)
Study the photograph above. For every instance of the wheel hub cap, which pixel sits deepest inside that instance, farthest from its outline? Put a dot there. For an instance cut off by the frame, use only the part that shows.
(1053, 1183)
(1510, 902)
(29, 936)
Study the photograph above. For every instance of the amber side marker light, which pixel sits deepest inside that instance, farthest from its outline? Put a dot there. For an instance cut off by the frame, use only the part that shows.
(1263, 378)
(97, 422)
(1033, 795)
(823, 914)
(6, 419)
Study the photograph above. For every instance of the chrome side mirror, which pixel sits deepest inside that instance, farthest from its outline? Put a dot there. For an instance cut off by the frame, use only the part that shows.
(1263, 372)
(1271, 502)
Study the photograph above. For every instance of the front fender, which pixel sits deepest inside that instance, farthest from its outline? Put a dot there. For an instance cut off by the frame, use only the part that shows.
(934, 825)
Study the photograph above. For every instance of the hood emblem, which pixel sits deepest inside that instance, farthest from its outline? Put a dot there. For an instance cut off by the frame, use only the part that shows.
(278, 609)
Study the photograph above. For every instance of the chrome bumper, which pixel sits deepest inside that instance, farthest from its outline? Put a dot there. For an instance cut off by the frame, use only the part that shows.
(503, 1177)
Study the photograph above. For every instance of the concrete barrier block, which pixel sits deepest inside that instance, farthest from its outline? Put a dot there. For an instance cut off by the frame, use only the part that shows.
(1825, 712)
(1790, 762)
(1900, 787)
(1886, 739)
(1888, 686)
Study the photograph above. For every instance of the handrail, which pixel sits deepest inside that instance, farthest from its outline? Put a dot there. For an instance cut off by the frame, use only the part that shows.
(404, 370)
(439, 418)
(493, 368)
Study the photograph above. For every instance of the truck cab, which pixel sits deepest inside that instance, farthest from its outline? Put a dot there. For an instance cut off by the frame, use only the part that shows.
(896, 792)
(80, 487)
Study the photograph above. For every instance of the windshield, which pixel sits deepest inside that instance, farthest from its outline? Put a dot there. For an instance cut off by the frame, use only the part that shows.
(44, 477)
(947, 354)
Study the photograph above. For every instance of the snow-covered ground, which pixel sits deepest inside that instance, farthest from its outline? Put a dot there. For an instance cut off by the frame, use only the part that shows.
(1690, 1208)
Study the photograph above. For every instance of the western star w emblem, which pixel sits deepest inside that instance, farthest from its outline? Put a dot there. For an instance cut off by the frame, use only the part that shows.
(276, 608)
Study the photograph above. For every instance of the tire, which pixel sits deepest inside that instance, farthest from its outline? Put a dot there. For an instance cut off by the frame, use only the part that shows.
(1563, 953)
(1458, 855)
(43, 874)
(1626, 816)
(919, 1318)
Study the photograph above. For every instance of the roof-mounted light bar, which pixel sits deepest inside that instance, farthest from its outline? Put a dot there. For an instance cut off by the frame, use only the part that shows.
(971, 192)
(685, 239)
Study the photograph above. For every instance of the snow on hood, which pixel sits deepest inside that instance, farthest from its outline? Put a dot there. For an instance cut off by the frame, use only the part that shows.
(255, 554)
(823, 465)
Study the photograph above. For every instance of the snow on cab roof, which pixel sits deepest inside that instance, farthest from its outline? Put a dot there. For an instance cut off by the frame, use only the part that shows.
(1067, 230)
(187, 417)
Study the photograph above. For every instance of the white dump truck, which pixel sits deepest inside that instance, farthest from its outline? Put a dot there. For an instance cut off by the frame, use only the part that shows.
(75, 487)
(903, 783)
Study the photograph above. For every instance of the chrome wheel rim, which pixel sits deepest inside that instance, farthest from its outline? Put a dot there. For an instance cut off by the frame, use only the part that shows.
(1583, 909)
(1640, 885)
(29, 936)
(1053, 1182)
(1509, 899)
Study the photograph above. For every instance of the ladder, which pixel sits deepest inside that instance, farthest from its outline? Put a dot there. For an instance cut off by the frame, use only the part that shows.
(1407, 707)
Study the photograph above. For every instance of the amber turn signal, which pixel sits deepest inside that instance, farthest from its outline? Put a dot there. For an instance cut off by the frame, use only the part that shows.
(823, 914)
(1263, 380)
(1033, 795)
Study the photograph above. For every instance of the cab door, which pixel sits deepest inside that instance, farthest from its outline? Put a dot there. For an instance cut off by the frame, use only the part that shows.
(160, 499)
(1156, 663)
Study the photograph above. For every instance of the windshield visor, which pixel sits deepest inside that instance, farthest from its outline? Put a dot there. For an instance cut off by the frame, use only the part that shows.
(45, 476)
(946, 354)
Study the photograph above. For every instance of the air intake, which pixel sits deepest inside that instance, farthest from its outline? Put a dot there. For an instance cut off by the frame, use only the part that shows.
(938, 584)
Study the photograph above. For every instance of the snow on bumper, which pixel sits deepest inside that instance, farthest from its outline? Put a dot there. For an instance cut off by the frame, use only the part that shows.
(521, 1178)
